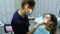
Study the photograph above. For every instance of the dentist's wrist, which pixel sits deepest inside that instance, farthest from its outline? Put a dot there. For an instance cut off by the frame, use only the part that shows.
(36, 25)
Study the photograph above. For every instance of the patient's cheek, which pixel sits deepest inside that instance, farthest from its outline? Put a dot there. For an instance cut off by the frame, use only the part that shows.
(45, 20)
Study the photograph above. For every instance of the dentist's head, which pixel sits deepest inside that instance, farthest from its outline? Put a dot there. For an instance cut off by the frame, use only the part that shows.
(28, 5)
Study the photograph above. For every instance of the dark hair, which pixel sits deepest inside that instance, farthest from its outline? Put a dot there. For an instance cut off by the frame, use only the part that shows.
(30, 2)
(54, 19)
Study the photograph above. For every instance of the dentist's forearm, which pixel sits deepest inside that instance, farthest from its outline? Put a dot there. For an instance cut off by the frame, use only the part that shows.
(31, 31)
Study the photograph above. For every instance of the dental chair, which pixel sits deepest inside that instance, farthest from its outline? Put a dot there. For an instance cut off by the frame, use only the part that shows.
(8, 28)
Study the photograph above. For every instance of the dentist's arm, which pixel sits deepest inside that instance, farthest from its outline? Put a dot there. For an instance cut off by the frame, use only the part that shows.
(33, 29)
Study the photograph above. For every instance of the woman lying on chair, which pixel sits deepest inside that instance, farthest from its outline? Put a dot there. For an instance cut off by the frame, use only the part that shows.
(48, 26)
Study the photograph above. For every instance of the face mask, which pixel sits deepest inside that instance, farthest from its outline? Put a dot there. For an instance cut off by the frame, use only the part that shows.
(29, 13)
(41, 30)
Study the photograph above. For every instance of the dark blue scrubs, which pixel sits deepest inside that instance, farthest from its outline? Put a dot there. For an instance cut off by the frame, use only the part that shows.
(20, 25)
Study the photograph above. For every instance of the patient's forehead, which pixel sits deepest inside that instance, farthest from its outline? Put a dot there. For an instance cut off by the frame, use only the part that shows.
(47, 16)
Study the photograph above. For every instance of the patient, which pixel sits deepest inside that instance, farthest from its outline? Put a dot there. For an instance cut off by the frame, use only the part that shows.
(49, 25)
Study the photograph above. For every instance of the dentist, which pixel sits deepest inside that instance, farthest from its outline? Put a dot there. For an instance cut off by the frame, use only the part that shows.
(20, 22)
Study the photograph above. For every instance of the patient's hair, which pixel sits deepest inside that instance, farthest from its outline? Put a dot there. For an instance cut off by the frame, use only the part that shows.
(30, 2)
(54, 19)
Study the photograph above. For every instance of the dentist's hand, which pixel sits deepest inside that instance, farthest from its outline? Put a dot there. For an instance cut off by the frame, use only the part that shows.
(37, 24)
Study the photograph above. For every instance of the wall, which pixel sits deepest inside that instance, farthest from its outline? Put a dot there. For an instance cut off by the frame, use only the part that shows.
(8, 7)
(46, 6)
(6, 10)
